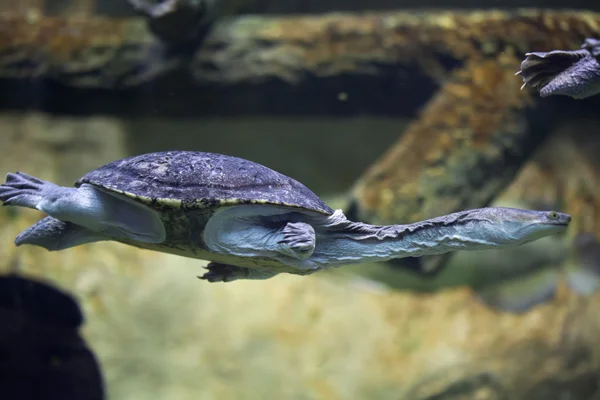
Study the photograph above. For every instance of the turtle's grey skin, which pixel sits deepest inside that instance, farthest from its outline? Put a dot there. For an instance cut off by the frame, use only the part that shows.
(561, 72)
(248, 220)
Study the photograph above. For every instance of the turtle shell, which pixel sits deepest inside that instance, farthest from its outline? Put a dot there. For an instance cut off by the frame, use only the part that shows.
(195, 179)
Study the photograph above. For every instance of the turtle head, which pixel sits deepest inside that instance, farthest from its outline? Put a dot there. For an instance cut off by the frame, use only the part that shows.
(512, 225)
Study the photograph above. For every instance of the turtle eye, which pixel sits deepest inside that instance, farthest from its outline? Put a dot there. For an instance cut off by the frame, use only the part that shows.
(553, 215)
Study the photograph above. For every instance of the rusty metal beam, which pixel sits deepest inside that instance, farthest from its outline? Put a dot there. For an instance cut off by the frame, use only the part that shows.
(243, 64)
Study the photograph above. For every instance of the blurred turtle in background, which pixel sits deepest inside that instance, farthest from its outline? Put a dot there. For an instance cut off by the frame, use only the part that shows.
(562, 72)
(177, 21)
(42, 354)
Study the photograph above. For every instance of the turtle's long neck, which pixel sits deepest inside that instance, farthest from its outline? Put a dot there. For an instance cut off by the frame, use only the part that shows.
(345, 242)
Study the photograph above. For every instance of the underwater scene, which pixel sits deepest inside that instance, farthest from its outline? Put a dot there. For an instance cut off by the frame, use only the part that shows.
(299, 199)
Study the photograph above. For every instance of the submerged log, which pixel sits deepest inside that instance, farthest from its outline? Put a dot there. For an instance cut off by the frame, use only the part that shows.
(307, 63)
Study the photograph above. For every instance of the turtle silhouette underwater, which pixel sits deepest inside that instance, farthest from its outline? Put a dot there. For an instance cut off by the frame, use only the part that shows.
(248, 221)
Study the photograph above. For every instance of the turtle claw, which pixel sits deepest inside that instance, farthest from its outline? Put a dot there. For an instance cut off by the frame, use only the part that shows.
(223, 273)
(298, 240)
(229, 273)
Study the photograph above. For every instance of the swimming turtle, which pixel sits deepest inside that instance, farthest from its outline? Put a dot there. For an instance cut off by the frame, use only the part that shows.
(249, 221)
(563, 72)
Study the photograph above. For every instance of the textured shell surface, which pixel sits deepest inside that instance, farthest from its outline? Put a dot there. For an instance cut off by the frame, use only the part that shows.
(191, 179)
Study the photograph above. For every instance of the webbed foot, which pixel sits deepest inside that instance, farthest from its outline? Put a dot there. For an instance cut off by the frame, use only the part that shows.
(561, 72)
(53, 235)
(229, 273)
(298, 240)
(23, 190)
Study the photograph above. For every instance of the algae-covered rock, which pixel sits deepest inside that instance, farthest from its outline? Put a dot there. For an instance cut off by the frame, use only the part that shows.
(161, 333)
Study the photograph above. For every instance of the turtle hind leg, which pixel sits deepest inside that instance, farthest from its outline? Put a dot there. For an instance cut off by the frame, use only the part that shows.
(87, 206)
(228, 273)
(298, 240)
(53, 235)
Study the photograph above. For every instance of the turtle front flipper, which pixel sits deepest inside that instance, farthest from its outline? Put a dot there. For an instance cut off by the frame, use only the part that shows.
(23, 190)
(262, 231)
(297, 240)
(88, 206)
(229, 273)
